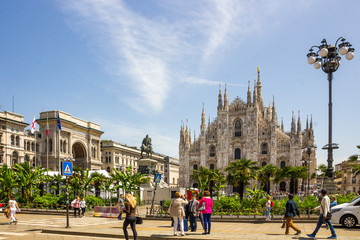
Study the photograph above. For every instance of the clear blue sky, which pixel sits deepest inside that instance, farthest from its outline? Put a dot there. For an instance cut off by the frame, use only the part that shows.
(140, 67)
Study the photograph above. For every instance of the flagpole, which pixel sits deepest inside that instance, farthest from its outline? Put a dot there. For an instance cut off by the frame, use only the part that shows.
(35, 147)
(59, 143)
(47, 141)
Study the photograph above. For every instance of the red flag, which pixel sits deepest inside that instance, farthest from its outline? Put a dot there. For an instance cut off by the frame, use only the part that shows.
(47, 127)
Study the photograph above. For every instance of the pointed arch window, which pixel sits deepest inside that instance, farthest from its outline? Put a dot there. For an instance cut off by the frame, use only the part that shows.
(237, 154)
(237, 128)
(263, 164)
(212, 151)
(282, 164)
(212, 166)
(264, 148)
(195, 167)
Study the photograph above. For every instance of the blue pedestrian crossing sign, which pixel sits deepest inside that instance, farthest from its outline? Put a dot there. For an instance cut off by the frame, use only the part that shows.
(157, 178)
(66, 168)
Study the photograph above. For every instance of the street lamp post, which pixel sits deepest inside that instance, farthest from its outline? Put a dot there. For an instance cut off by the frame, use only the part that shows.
(307, 162)
(327, 57)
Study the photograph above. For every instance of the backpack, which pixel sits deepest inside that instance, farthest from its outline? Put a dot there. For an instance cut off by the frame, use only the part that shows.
(272, 204)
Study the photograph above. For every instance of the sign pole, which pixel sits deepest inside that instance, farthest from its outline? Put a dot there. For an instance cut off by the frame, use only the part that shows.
(152, 202)
(67, 202)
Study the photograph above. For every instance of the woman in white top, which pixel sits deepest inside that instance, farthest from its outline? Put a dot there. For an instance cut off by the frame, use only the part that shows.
(268, 208)
(12, 204)
(83, 206)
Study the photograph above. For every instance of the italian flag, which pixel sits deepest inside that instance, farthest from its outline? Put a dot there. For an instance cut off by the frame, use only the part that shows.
(47, 127)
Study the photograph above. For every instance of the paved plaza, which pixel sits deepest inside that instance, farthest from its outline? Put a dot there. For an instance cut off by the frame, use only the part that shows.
(33, 226)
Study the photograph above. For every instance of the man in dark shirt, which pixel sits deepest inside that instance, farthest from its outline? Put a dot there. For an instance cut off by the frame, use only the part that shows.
(290, 212)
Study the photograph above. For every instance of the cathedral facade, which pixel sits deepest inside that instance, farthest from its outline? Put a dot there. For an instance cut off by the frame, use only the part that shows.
(247, 130)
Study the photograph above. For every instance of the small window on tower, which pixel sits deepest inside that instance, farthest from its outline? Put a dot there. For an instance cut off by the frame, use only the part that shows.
(212, 151)
(237, 132)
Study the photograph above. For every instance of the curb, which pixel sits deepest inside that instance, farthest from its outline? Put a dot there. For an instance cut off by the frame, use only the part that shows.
(244, 220)
(106, 235)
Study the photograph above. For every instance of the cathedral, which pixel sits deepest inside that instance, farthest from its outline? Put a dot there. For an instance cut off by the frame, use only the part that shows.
(247, 130)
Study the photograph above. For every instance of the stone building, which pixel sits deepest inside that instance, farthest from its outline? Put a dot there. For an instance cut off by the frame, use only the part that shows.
(78, 139)
(244, 129)
(346, 181)
(16, 144)
(120, 157)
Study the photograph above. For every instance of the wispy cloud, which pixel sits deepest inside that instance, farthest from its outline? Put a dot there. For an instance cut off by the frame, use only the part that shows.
(150, 52)
(203, 81)
(164, 142)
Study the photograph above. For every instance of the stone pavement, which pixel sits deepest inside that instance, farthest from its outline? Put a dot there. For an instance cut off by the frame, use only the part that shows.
(31, 227)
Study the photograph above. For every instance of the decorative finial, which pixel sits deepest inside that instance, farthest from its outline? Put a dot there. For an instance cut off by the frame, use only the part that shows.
(258, 68)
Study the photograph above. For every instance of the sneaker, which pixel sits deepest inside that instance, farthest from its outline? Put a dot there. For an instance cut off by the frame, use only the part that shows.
(183, 234)
(175, 234)
(298, 233)
(332, 237)
(310, 235)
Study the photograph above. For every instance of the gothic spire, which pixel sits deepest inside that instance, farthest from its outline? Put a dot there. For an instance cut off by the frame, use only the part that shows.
(293, 124)
(307, 121)
(255, 99)
(249, 95)
(220, 106)
(274, 115)
(282, 125)
(311, 123)
(299, 125)
(259, 97)
(203, 121)
(226, 100)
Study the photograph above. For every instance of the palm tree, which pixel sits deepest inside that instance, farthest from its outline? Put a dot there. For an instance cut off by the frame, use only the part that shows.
(127, 181)
(265, 175)
(219, 181)
(55, 183)
(354, 157)
(28, 177)
(240, 173)
(203, 176)
(255, 194)
(97, 181)
(322, 168)
(7, 180)
(296, 173)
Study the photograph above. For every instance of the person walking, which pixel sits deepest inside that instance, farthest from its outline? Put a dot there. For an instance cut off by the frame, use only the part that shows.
(13, 206)
(207, 201)
(83, 207)
(76, 205)
(130, 219)
(193, 213)
(290, 212)
(177, 212)
(324, 212)
(121, 206)
(268, 208)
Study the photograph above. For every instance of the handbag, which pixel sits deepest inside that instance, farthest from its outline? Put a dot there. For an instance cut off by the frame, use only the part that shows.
(328, 215)
(139, 220)
(7, 212)
(202, 208)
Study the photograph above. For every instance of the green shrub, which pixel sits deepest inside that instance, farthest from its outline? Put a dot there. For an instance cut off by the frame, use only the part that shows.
(95, 201)
(166, 204)
(47, 199)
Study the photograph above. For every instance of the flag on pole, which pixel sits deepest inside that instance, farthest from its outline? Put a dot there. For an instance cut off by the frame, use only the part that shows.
(59, 122)
(33, 126)
(47, 126)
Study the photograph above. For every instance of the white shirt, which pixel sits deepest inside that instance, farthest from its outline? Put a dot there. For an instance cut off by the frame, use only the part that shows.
(268, 203)
(12, 204)
(82, 204)
(324, 206)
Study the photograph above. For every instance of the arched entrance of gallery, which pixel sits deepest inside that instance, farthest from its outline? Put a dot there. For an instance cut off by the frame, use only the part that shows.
(79, 155)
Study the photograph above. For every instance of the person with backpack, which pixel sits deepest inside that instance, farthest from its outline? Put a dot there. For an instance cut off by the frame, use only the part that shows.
(269, 205)
(76, 205)
(290, 212)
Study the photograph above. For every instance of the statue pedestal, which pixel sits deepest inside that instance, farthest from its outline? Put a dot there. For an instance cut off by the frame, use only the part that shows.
(330, 186)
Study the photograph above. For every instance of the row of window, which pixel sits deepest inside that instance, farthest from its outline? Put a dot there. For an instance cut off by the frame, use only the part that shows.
(264, 151)
(212, 166)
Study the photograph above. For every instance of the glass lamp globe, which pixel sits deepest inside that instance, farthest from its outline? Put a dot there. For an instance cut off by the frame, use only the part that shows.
(323, 52)
(343, 50)
(311, 60)
(317, 65)
(350, 55)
